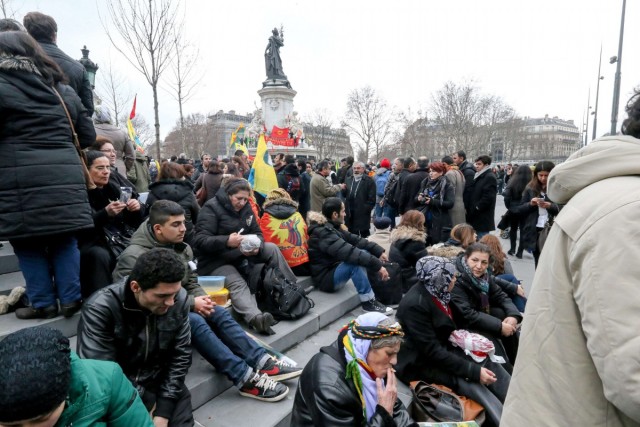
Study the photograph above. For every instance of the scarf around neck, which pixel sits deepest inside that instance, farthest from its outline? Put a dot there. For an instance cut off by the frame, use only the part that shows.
(481, 283)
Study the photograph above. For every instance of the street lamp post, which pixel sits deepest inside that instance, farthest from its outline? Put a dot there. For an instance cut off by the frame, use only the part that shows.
(89, 65)
(616, 85)
(595, 111)
(586, 132)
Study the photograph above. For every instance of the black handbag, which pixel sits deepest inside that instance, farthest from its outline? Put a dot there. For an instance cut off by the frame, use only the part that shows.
(118, 239)
(282, 296)
(436, 403)
(505, 221)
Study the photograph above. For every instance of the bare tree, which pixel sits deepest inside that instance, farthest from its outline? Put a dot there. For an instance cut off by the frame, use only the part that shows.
(146, 27)
(467, 119)
(367, 118)
(6, 9)
(185, 75)
(114, 92)
(197, 131)
(318, 133)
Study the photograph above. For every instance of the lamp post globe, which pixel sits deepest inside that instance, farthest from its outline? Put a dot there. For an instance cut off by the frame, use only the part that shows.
(89, 65)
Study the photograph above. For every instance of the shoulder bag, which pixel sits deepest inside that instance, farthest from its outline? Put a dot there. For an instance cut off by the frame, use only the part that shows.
(437, 403)
(83, 158)
(544, 233)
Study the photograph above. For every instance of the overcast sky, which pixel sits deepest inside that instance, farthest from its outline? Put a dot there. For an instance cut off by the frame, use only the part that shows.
(540, 56)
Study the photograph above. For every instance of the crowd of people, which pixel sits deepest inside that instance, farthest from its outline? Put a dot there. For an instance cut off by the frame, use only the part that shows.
(107, 232)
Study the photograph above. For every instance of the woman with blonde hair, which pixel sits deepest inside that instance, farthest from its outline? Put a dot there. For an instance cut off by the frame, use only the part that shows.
(408, 245)
(461, 236)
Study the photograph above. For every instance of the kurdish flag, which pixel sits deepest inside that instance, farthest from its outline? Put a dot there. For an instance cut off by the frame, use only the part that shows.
(262, 176)
(234, 137)
(132, 132)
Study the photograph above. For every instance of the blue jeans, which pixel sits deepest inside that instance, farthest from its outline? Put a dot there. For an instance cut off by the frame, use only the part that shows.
(224, 344)
(518, 301)
(42, 259)
(391, 213)
(379, 211)
(358, 275)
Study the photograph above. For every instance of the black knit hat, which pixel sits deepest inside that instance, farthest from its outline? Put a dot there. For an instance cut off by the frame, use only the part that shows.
(36, 373)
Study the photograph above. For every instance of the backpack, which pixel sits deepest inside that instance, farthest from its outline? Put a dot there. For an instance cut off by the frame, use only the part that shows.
(282, 296)
(381, 181)
(390, 191)
(294, 186)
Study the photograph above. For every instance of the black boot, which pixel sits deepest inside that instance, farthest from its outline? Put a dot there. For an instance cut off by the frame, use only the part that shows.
(37, 313)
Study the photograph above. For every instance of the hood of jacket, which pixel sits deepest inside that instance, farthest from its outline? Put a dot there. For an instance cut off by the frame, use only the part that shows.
(381, 171)
(604, 158)
(403, 232)
(316, 218)
(17, 63)
(171, 189)
(445, 251)
(280, 208)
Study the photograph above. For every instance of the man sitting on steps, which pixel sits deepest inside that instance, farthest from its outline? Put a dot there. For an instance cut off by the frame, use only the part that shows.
(336, 255)
(143, 325)
(214, 333)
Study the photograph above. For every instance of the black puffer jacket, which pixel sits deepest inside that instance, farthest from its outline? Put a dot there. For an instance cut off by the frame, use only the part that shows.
(426, 353)
(216, 221)
(75, 72)
(408, 245)
(467, 308)
(330, 245)
(153, 351)
(42, 190)
(181, 192)
(325, 398)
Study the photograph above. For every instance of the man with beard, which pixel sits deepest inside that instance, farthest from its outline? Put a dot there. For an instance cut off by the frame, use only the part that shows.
(360, 197)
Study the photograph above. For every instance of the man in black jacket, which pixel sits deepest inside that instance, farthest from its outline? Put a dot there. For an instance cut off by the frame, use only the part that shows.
(408, 167)
(337, 256)
(360, 197)
(143, 325)
(44, 29)
(467, 169)
(411, 186)
(482, 198)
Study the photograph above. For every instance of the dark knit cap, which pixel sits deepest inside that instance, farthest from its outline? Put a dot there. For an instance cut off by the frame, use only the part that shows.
(381, 222)
(36, 373)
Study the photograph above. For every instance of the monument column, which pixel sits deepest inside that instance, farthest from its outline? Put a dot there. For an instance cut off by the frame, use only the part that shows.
(277, 104)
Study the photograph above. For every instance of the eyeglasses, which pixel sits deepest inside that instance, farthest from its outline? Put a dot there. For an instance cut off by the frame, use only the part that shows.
(108, 150)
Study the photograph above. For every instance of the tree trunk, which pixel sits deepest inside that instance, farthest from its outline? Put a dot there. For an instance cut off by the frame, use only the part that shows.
(157, 119)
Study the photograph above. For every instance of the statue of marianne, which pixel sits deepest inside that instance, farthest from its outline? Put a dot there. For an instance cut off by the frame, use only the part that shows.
(272, 59)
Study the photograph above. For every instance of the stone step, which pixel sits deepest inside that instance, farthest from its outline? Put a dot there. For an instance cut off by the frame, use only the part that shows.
(8, 260)
(202, 380)
(232, 410)
(8, 281)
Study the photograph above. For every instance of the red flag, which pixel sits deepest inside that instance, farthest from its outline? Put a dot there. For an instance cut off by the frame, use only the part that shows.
(133, 110)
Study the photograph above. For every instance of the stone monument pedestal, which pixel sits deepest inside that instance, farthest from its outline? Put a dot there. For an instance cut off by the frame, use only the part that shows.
(277, 104)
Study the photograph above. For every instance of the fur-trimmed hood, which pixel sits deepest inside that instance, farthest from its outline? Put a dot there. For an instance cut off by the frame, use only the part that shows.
(280, 208)
(17, 63)
(445, 251)
(404, 232)
(317, 218)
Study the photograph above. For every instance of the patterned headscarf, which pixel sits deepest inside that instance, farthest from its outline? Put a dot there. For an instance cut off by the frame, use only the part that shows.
(357, 343)
(436, 273)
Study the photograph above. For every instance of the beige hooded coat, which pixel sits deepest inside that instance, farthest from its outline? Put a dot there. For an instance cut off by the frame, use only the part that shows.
(579, 357)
